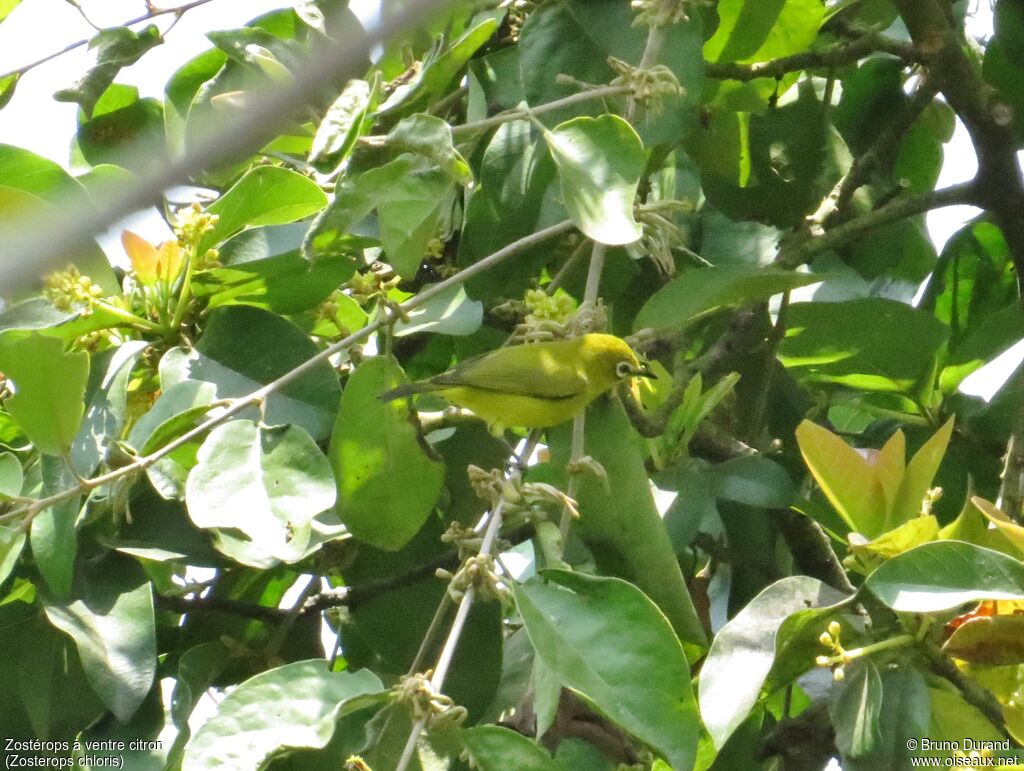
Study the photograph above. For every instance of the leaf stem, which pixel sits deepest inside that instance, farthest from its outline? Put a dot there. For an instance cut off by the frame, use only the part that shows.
(128, 317)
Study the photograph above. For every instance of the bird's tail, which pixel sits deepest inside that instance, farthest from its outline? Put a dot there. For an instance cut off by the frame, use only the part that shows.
(409, 389)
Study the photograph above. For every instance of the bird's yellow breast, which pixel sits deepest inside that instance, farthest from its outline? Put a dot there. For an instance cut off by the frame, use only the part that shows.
(501, 410)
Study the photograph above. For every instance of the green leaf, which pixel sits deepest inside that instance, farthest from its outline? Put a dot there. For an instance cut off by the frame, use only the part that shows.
(756, 33)
(112, 622)
(983, 341)
(599, 162)
(576, 38)
(116, 48)
(175, 411)
(264, 267)
(267, 195)
(431, 137)
(696, 293)
(855, 709)
(440, 68)
(120, 119)
(12, 541)
(267, 483)
(307, 701)
(620, 523)
(493, 748)
(604, 638)
(410, 211)
(745, 649)
(106, 405)
(871, 343)
(7, 86)
(919, 475)
(941, 575)
(52, 534)
(343, 123)
(11, 476)
(373, 445)
(449, 313)
(848, 479)
(770, 168)
(49, 389)
(753, 480)
(243, 348)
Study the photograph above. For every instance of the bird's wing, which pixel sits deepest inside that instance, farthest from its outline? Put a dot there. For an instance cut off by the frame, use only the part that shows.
(518, 370)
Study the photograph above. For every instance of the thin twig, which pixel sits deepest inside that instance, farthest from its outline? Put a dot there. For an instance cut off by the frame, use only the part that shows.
(801, 248)
(884, 145)
(149, 15)
(843, 53)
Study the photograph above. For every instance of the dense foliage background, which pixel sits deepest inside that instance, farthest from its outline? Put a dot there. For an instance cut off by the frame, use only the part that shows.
(197, 473)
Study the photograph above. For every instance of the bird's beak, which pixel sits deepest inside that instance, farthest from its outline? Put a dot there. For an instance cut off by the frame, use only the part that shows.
(645, 371)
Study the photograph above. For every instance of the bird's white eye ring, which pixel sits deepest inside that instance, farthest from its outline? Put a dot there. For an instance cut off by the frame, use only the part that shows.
(623, 369)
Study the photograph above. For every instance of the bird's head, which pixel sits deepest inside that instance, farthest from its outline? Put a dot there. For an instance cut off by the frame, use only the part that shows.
(609, 360)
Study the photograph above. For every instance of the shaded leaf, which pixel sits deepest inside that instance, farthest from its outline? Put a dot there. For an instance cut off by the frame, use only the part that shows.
(373, 444)
(431, 137)
(855, 708)
(993, 641)
(267, 195)
(112, 623)
(871, 344)
(116, 48)
(745, 649)
(696, 293)
(493, 748)
(243, 348)
(267, 483)
(606, 639)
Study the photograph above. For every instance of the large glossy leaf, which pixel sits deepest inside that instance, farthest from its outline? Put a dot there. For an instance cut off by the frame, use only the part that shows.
(944, 574)
(605, 638)
(439, 68)
(431, 137)
(267, 195)
(855, 709)
(745, 649)
(695, 293)
(758, 32)
(11, 475)
(264, 267)
(267, 483)
(620, 522)
(306, 698)
(373, 445)
(343, 123)
(872, 343)
(576, 38)
(49, 384)
(115, 47)
(112, 623)
(449, 313)
(243, 348)
(599, 162)
(770, 168)
(494, 748)
(121, 119)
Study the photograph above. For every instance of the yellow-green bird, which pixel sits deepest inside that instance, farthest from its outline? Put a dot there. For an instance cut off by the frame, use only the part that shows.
(534, 385)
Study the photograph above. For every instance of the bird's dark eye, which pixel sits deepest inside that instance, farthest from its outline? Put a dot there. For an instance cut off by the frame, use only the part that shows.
(623, 369)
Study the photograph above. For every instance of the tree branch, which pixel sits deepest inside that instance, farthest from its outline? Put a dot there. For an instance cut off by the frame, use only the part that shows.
(875, 156)
(153, 13)
(999, 186)
(840, 54)
(799, 248)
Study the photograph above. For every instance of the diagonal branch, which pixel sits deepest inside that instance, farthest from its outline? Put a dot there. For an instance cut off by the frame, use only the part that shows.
(834, 56)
